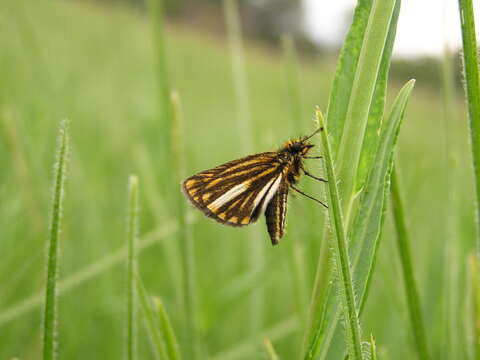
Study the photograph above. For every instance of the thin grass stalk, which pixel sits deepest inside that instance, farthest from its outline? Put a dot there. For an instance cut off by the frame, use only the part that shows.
(132, 239)
(167, 330)
(270, 350)
(187, 252)
(475, 304)
(158, 345)
(373, 348)
(88, 272)
(345, 282)
(450, 297)
(472, 90)
(50, 324)
(256, 257)
(361, 98)
(411, 291)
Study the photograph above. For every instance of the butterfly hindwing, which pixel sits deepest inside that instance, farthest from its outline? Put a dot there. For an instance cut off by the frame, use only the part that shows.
(276, 212)
(236, 193)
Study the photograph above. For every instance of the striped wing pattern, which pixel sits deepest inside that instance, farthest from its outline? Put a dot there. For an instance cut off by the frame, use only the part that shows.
(238, 192)
(276, 212)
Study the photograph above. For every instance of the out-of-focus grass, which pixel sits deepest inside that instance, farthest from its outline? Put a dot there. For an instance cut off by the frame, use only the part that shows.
(95, 65)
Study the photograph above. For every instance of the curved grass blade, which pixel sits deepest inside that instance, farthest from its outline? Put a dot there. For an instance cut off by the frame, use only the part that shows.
(361, 98)
(50, 312)
(368, 221)
(132, 235)
(413, 300)
(472, 90)
(156, 340)
(345, 282)
(270, 350)
(336, 113)
(187, 252)
(167, 330)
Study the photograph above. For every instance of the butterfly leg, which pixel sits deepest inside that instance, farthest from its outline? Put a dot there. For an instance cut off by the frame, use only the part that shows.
(314, 177)
(308, 196)
(313, 157)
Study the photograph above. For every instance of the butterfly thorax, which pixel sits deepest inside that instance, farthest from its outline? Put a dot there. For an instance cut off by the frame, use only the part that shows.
(292, 153)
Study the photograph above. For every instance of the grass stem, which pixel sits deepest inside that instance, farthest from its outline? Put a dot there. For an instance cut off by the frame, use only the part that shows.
(472, 90)
(50, 325)
(407, 268)
(132, 234)
(341, 249)
(167, 330)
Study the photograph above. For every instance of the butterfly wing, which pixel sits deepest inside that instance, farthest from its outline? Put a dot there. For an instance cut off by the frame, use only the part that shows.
(276, 212)
(237, 192)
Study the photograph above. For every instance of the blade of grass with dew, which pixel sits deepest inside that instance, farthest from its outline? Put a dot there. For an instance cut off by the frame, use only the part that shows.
(270, 350)
(131, 293)
(472, 90)
(475, 304)
(50, 322)
(353, 339)
(187, 251)
(336, 113)
(403, 243)
(158, 345)
(88, 272)
(256, 256)
(361, 98)
(368, 221)
(167, 330)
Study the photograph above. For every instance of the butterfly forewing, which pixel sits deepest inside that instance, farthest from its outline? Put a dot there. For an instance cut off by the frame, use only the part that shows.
(276, 212)
(238, 192)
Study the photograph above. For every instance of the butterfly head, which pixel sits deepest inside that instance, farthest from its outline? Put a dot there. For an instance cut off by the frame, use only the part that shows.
(298, 147)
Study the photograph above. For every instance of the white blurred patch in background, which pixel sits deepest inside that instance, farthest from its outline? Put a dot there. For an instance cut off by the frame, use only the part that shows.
(423, 27)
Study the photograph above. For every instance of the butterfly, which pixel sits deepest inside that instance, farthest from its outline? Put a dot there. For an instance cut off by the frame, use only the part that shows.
(238, 192)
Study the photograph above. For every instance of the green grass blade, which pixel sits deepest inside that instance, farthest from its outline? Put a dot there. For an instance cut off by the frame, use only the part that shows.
(87, 273)
(475, 305)
(158, 345)
(187, 252)
(341, 249)
(363, 88)
(336, 113)
(270, 350)
(373, 348)
(167, 330)
(403, 241)
(472, 89)
(50, 323)
(376, 110)
(345, 72)
(132, 239)
(367, 225)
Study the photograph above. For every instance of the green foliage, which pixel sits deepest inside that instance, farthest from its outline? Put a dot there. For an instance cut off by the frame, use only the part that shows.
(403, 242)
(97, 65)
(472, 90)
(341, 248)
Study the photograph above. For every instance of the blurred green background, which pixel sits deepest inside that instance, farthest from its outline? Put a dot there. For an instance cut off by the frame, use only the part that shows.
(93, 63)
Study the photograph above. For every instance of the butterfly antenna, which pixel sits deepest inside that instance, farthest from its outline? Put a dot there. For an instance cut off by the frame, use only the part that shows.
(314, 133)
